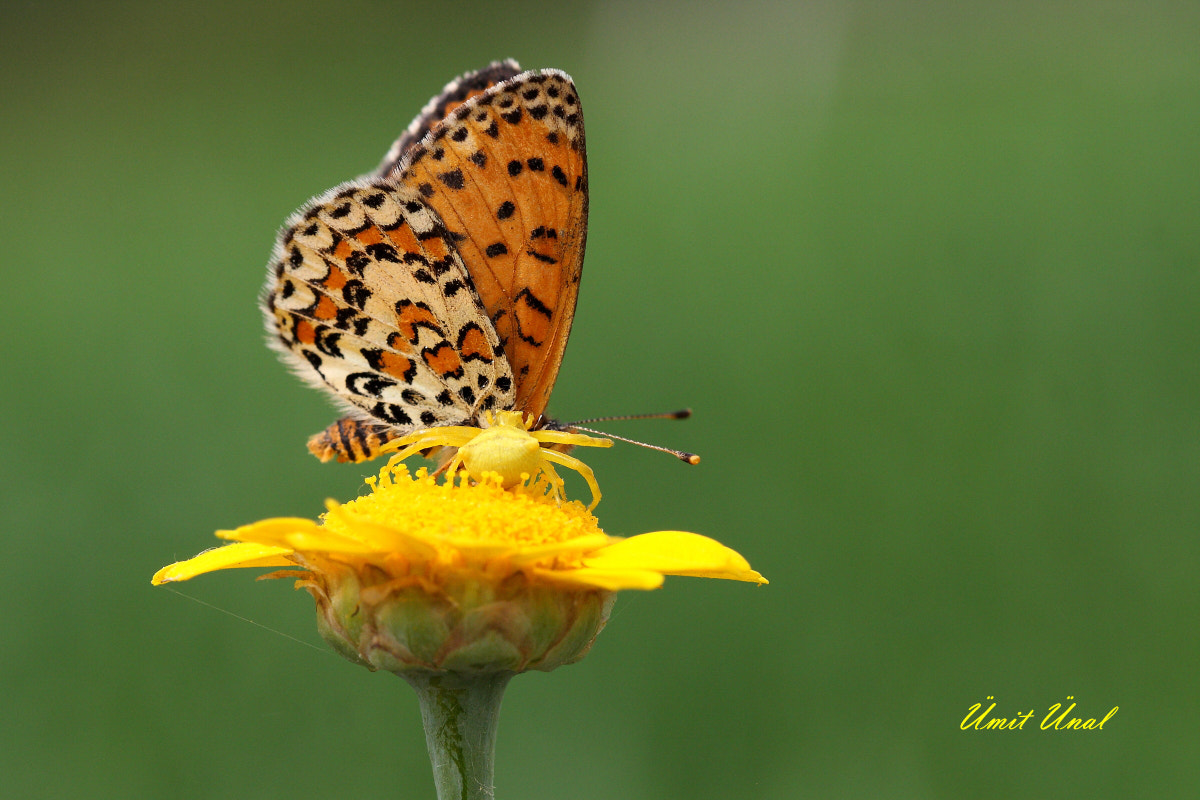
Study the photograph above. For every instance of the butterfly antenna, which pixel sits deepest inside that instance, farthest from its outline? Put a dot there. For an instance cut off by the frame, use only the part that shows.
(682, 413)
(687, 458)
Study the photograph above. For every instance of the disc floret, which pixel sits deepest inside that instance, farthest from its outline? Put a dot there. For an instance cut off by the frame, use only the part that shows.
(507, 446)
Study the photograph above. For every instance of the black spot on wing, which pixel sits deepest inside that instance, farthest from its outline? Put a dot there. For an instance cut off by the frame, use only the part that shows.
(356, 294)
(367, 384)
(545, 259)
(391, 413)
(382, 251)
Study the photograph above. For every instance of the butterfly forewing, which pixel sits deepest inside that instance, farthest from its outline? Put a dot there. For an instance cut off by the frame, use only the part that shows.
(507, 172)
(455, 93)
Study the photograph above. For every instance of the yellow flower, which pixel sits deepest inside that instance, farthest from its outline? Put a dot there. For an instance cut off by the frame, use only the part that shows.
(461, 576)
(457, 586)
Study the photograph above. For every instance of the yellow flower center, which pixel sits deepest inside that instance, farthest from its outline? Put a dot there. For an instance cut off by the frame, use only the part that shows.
(460, 512)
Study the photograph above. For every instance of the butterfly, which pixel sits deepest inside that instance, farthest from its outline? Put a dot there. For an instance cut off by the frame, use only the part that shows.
(441, 286)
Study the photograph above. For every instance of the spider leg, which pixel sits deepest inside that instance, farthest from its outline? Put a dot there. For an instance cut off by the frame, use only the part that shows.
(574, 463)
(413, 443)
(575, 439)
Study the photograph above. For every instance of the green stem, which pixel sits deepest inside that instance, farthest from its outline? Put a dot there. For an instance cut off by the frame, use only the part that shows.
(460, 713)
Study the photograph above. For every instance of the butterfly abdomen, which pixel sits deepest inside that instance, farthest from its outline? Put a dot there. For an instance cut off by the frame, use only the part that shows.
(350, 440)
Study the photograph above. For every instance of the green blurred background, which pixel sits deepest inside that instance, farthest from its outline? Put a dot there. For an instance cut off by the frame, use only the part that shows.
(927, 273)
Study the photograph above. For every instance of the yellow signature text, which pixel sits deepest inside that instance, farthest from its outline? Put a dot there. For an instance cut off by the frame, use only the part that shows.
(1056, 719)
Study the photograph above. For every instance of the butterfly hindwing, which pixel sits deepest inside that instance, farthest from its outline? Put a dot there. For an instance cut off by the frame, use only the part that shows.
(371, 300)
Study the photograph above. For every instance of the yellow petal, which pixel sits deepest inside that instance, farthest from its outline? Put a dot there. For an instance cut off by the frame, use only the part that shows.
(249, 554)
(611, 580)
(675, 553)
(475, 550)
(272, 531)
(299, 534)
(569, 547)
(384, 539)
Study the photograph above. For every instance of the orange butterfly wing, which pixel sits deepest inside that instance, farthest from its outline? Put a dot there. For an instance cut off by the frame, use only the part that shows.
(499, 160)
(453, 95)
(369, 299)
(507, 173)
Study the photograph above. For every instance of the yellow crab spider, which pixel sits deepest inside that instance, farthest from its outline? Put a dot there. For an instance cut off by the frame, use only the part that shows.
(507, 447)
